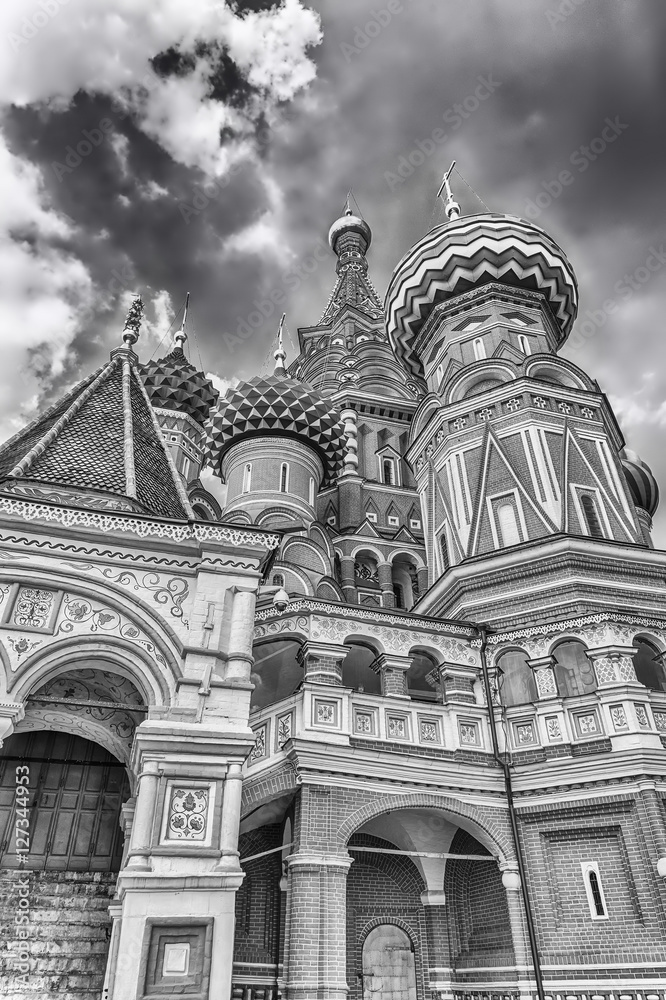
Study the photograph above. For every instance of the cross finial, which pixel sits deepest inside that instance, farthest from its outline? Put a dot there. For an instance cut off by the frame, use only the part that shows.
(133, 322)
(451, 206)
(348, 208)
(280, 354)
(180, 337)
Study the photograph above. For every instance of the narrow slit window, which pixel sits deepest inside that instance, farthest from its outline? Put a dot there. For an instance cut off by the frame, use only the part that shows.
(388, 471)
(479, 349)
(524, 344)
(594, 891)
(444, 552)
(311, 492)
(591, 515)
(247, 478)
(284, 477)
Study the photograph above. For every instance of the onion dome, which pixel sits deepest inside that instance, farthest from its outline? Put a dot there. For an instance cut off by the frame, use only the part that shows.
(349, 223)
(468, 252)
(642, 484)
(276, 405)
(175, 384)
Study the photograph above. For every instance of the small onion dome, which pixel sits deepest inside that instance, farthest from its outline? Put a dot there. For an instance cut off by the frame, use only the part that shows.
(468, 252)
(642, 484)
(276, 405)
(174, 384)
(349, 223)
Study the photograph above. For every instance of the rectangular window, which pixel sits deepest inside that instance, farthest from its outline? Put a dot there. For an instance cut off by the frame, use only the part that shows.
(393, 521)
(284, 478)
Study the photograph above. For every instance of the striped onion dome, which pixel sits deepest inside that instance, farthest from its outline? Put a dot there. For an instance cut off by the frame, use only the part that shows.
(349, 223)
(642, 484)
(466, 253)
(276, 405)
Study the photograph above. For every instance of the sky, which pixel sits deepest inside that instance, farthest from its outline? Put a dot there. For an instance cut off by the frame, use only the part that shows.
(166, 147)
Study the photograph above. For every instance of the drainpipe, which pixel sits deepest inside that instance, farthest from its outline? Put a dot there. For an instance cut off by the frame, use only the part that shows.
(506, 768)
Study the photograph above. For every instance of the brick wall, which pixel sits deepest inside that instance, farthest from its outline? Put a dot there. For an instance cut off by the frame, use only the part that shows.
(69, 928)
(258, 901)
(476, 907)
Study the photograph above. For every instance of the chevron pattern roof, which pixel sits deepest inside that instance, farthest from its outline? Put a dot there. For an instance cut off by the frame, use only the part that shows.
(175, 384)
(276, 405)
(472, 251)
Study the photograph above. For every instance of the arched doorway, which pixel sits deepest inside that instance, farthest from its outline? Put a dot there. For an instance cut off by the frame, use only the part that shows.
(388, 964)
(60, 852)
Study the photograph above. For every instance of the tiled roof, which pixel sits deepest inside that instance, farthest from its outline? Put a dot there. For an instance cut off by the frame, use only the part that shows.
(102, 437)
(175, 384)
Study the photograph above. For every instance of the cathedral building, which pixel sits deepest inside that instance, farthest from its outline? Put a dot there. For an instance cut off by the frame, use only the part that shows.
(391, 722)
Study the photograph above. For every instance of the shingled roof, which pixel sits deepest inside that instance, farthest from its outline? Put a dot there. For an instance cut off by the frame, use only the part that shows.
(103, 442)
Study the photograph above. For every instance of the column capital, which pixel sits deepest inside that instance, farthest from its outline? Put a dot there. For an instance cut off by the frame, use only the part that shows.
(613, 665)
(313, 860)
(544, 676)
(322, 661)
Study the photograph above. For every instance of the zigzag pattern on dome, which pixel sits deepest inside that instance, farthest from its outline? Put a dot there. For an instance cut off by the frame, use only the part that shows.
(471, 251)
(175, 384)
(278, 405)
(643, 486)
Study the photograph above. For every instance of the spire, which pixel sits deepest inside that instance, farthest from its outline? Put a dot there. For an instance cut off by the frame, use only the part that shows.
(349, 238)
(280, 354)
(451, 207)
(180, 337)
(133, 319)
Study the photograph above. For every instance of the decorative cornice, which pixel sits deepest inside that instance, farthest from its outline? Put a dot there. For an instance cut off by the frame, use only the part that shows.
(570, 623)
(143, 527)
(355, 611)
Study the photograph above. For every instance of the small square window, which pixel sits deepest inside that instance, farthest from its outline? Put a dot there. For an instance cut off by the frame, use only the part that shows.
(415, 523)
(393, 521)
(371, 516)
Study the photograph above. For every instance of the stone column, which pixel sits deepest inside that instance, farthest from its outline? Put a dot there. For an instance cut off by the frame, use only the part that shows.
(231, 810)
(240, 636)
(422, 577)
(393, 674)
(613, 665)
(439, 955)
(385, 576)
(322, 662)
(457, 684)
(518, 923)
(317, 926)
(348, 578)
(144, 818)
(544, 676)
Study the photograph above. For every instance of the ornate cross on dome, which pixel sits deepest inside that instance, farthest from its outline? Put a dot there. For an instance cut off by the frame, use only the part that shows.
(133, 322)
(280, 354)
(180, 337)
(451, 207)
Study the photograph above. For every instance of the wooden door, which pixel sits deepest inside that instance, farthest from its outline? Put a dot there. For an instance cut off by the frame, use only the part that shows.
(389, 972)
(76, 791)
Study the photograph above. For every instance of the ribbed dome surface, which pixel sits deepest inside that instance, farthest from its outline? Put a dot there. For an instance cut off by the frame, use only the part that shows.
(472, 251)
(175, 384)
(643, 486)
(276, 405)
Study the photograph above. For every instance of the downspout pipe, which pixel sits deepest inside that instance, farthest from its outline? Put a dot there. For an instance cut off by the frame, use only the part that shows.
(506, 769)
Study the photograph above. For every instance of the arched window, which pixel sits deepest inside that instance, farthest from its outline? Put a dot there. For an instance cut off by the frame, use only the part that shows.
(278, 580)
(524, 343)
(247, 478)
(388, 471)
(591, 514)
(284, 477)
(649, 665)
(311, 492)
(508, 524)
(479, 349)
(594, 890)
(516, 679)
(574, 672)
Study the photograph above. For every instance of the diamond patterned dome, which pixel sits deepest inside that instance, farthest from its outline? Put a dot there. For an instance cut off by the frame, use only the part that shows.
(276, 405)
(175, 384)
(469, 252)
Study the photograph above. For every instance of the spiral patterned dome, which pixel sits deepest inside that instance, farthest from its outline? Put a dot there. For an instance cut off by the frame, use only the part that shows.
(277, 405)
(466, 253)
(175, 384)
(643, 486)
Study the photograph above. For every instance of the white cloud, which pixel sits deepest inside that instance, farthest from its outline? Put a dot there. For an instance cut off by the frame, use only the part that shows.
(45, 292)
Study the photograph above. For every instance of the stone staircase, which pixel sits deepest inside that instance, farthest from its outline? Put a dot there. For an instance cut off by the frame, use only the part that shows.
(69, 929)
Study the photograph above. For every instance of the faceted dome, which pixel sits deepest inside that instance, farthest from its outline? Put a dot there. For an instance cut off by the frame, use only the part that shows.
(175, 384)
(276, 405)
(466, 253)
(642, 484)
(349, 223)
